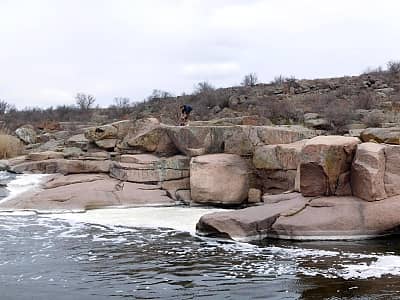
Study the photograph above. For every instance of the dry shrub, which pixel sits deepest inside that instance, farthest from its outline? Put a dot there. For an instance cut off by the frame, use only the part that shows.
(374, 119)
(4, 129)
(339, 113)
(365, 100)
(10, 146)
(282, 111)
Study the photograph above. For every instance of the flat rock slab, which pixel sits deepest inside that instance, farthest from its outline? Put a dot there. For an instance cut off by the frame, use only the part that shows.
(389, 135)
(249, 224)
(63, 166)
(300, 218)
(82, 192)
(234, 139)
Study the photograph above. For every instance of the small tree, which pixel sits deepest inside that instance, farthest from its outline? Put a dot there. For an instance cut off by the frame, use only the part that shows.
(250, 80)
(84, 101)
(122, 102)
(122, 105)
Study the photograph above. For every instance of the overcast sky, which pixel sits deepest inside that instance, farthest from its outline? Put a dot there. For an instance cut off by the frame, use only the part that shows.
(52, 49)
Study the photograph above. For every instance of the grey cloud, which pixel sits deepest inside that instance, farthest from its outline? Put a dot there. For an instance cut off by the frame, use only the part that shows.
(52, 49)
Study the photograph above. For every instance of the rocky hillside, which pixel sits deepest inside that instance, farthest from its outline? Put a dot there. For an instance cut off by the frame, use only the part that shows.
(333, 104)
(337, 105)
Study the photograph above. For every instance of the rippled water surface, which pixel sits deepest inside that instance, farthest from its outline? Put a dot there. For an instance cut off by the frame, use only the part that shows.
(46, 258)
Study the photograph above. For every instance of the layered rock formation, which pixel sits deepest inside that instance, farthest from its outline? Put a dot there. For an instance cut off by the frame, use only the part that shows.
(347, 189)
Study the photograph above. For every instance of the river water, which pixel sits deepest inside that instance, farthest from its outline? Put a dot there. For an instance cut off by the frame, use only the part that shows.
(153, 253)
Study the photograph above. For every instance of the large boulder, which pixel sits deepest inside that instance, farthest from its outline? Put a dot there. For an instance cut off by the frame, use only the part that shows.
(145, 168)
(78, 141)
(278, 157)
(117, 130)
(26, 134)
(108, 144)
(392, 170)
(299, 218)
(51, 145)
(198, 140)
(340, 218)
(64, 193)
(147, 135)
(101, 133)
(368, 170)
(389, 135)
(249, 224)
(376, 171)
(325, 159)
(219, 179)
(271, 135)
(277, 181)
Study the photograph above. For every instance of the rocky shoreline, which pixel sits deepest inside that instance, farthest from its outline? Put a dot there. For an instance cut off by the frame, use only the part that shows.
(285, 182)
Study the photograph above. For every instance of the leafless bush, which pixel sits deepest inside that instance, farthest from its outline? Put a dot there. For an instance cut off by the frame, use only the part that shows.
(316, 102)
(365, 100)
(281, 112)
(393, 67)
(339, 113)
(343, 91)
(250, 80)
(278, 80)
(5, 130)
(10, 146)
(120, 109)
(291, 81)
(4, 107)
(206, 97)
(159, 94)
(373, 70)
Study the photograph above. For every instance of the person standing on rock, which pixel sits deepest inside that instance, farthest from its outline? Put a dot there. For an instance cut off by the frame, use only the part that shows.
(185, 112)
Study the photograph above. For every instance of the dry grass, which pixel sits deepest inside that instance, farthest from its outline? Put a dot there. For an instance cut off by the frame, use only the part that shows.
(10, 146)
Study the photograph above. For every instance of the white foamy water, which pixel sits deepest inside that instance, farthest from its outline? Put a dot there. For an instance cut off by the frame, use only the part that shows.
(384, 265)
(23, 183)
(178, 218)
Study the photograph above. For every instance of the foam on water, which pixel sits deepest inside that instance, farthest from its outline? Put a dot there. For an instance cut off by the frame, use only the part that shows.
(384, 265)
(23, 183)
(178, 218)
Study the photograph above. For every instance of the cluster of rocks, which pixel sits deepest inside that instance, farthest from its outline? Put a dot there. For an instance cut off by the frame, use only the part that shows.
(346, 190)
(304, 186)
(204, 163)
